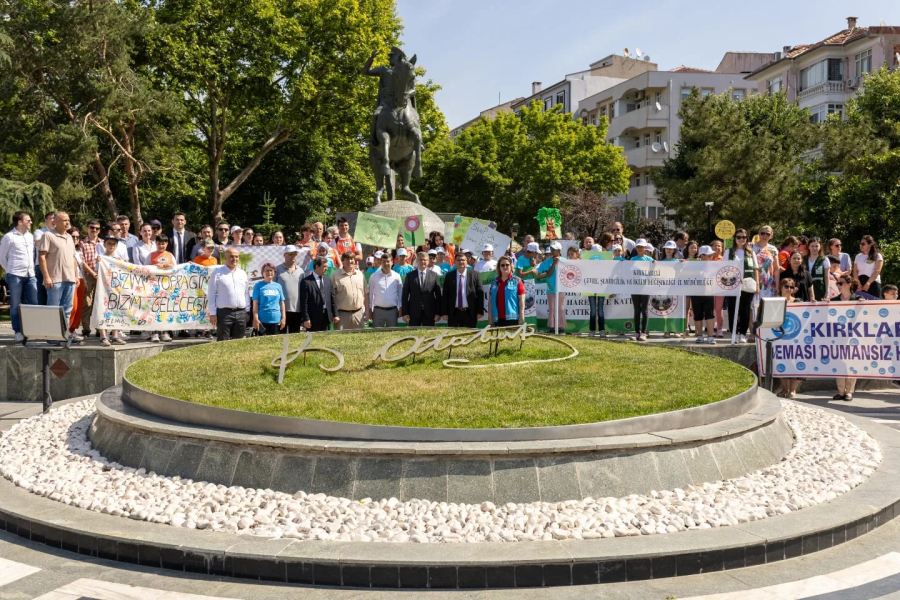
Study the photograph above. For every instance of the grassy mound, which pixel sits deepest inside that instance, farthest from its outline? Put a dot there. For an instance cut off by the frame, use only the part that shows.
(605, 381)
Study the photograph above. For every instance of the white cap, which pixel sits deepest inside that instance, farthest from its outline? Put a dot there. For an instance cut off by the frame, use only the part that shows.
(616, 247)
(532, 247)
(236, 228)
(556, 246)
(596, 248)
(466, 251)
(370, 260)
(487, 248)
(641, 242)
(290, 248)
(401, 252)
(705, 251)
(323, 245)
(439, 250)
(432, 252)
(670, 244)
(378, 254)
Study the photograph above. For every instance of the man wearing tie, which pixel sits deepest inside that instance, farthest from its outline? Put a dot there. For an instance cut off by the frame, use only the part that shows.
(421, 295)
(463, 297)
(181, 241)
(317, 307)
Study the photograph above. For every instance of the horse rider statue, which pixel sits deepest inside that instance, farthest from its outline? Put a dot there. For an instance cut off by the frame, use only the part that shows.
(395, 140)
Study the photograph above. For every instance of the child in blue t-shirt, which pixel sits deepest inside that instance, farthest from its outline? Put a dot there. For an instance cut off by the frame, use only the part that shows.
(268, 303)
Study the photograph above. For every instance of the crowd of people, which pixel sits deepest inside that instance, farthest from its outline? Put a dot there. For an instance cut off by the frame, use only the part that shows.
(321, 282)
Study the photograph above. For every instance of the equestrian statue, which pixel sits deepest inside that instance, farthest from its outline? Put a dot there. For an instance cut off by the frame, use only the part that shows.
(395, 141)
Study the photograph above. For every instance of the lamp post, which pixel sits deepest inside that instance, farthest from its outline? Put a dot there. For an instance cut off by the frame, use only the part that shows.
(709, 237)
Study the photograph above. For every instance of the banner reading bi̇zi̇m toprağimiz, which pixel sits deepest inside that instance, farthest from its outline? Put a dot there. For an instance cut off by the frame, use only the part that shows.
(135, 297)
(836, 339)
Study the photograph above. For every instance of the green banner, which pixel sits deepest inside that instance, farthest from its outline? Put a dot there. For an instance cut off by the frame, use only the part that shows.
(376, 231)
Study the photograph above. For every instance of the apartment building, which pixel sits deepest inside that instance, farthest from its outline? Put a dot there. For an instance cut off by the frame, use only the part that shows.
(643, 116)
(824, 75)
(488, 113)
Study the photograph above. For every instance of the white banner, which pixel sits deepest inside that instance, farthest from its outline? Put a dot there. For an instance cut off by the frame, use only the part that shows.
(480, 234)
(836, 339)
(653, 278)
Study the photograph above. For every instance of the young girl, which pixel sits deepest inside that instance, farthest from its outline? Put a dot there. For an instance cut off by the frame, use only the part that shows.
(691, 252)
(641, 302)
(669, 253)
(786, 289)
(847, 286)
(258, 239)
(110, 243)
(703, 307)
(818, 268)
(741, 251)
(268, 303)
(867, 267)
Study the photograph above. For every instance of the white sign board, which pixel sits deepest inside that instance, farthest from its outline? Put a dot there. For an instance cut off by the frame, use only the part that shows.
(480, 234)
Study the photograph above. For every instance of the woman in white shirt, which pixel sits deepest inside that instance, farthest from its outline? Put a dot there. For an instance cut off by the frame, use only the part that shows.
(867, 267)
(140, 252)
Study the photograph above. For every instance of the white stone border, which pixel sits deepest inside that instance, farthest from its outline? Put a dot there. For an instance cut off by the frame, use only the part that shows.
(50, 455)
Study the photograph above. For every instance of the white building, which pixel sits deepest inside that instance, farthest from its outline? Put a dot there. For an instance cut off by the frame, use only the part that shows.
(822, 76)
(643, 116)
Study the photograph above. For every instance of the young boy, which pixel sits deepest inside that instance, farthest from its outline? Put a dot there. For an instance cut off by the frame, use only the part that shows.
(162, 260)
(206, 257)
(110, 243)
(889, 292)
(834, 271)
(268, 303)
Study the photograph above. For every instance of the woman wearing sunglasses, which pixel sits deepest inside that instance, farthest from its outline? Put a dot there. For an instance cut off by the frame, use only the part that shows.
(786, 289)
(507, 304)
(867, 266)
(741, 251)
(847, 287)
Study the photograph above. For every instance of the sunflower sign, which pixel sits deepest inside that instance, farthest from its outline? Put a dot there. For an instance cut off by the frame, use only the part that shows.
(550, 222)
(413, 230)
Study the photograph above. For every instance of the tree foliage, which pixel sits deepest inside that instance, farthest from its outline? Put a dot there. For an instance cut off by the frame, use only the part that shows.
(508, 167)
(34, 198)
(744, 157)
(587, 213)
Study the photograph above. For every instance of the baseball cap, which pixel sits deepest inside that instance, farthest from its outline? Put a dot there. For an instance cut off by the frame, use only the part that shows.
(378, 254)
(466, 251)
(290, 248)
(670, 244)
(705, 251)
(235, 228)
(617, 247)
(596, 248)
(533, 247)
(155, 222)
(556, 246)
(208, 243)
(370, 260)
(439, 250)
(487, 248)
(432, 252)
(641, 242)
(111, 237)
(401, 252)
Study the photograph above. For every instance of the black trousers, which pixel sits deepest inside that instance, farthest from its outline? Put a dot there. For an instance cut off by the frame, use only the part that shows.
(319, 322)
(461, 318)
(743, 309)
(292, 322)
(268, 329)
(874, 287)
(506, 322)
(231, 324)
(641, 304)
(422, 320)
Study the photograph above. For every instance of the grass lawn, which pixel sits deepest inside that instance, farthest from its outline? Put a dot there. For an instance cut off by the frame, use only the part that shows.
(605, 381)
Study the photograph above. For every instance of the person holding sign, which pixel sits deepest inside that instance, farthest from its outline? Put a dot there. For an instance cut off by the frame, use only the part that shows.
(556, 301)
(847, 286)
(741, 251)
(704, 307)
(641, 302)
(507, 305)
(487, 262)
(108, 338)
(867, 266)
(786, 289)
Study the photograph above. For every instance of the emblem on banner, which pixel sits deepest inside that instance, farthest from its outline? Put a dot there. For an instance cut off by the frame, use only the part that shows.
(728, 278)
(570, 276)
(663, 306)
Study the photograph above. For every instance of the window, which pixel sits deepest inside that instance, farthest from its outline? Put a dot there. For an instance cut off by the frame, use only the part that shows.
(685, 93)
(658, 135)
(646, 139)
(654, 212)
(773, 86)
(612, 110)
(818, 114)
(659, 97)
(864, 62)
(737, 95)
(706, 92)
(637, 141)
(594, 119)
(561, 99)
(603, 111)
(548, 103)
(637, 181)
(835, 69)
(647, 178)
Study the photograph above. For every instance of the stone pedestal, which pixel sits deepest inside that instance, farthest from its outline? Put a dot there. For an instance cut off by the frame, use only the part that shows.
(400, 209)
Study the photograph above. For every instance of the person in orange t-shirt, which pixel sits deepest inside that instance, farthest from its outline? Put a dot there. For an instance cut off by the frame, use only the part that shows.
(206, 258)
(162, 259)
(344, 241)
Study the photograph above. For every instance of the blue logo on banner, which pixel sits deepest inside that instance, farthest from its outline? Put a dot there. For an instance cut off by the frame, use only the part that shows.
(883, 312)
(851, 313)
(801, 366)
(781, 368)
(791, 327)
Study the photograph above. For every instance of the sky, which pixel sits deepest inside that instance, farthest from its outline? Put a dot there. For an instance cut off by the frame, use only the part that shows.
(482, 50)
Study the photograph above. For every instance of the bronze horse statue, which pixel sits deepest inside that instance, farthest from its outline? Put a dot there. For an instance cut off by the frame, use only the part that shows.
(395, 141)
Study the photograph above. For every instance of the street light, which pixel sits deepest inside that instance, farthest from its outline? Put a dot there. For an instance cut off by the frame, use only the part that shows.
(709, 237)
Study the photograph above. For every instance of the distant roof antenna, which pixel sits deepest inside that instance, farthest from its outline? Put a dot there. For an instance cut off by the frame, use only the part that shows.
(638, 53)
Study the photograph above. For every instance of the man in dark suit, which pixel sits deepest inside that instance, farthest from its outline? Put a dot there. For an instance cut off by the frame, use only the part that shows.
(420, 299)
(462, 306)
(317, 307)
(181, 241)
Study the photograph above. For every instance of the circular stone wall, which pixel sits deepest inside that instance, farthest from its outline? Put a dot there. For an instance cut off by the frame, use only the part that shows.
(400, 209)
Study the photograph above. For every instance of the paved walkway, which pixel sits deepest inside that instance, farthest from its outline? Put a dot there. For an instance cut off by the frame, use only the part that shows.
(864, 569)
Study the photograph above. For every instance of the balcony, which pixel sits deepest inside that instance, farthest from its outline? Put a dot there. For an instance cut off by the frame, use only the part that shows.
(644, 156)
(641, 118)
(829, 87)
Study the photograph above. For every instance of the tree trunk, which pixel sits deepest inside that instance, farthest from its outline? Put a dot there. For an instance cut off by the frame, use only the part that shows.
(215, 205)
(101, 176)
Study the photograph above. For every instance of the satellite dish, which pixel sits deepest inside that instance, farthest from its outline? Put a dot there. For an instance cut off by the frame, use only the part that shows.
(625, 52)
(882, 23)
(655, 147)
(666, 146)
(638, 53)
(647, 58)
(658, 106)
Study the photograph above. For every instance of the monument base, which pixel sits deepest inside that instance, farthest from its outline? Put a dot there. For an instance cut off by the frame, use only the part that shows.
(400, 209)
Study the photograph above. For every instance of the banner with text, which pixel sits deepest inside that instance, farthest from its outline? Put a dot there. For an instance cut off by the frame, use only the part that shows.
(670, 278)
(480, 234)
(836, 339)
(375, 230)
(134, 297)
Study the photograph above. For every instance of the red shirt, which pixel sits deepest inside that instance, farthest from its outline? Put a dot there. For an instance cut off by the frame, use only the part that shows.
(501, 297)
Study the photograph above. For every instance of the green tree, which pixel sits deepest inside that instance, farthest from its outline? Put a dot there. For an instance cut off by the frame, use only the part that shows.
(744, 157)
(35, 198)
(258, 74)
(508, 167)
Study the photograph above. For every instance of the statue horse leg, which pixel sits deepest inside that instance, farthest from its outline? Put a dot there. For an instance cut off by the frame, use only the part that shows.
(375, 164)
(416, 137)
(405, 168)
(385, 141)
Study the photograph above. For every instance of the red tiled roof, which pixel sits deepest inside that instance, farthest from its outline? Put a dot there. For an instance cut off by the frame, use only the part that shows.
(844, 36)
(684, 69)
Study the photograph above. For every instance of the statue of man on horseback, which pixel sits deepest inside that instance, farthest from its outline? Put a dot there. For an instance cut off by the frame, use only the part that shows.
(395, 140)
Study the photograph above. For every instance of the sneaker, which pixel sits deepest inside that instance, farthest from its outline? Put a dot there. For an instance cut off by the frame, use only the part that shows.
(166, 337)
(208, 335)
(118, 341)
(701, 339)
(601, 334)
(145, 335)
(848, 397)
(20, 337)
(76, 339)
(895, 383)
(105, 342)
(154, 337)
(711, 340)
(742, 339)
(643, 337)
(837, 397)
(123, 335)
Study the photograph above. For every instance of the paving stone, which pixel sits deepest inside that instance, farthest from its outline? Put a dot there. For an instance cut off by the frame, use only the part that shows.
(293, 474)
(378, 478)
(254, 469)
(185, 460)
(218, 464)
(515, 480)
(158, 454)
(701, 464)
(600, 477)
(424, 479)
(558, 479)
(672, 470)
(469, 481)
(333, 476)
